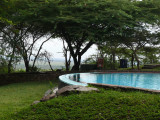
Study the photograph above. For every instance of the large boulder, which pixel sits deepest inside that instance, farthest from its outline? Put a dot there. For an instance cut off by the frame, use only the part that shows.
(52, 93)
(74, 88)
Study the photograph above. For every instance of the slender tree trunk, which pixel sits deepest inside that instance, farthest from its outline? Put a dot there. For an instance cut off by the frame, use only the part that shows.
(39, 51)
(10, 61)
(136, 57)
(49, 63)
(27, 65)
(132, 60)
(67, 62)
(114, 60)
(67, 66)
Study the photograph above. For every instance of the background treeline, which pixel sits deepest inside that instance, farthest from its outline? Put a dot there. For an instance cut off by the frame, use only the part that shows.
(120, 29)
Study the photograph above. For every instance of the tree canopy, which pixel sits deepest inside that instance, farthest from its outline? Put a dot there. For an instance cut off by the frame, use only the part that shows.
(81, 23)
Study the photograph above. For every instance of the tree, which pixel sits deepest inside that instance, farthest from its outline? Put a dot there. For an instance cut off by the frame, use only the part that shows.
(23, 38)
(137, 41)
(83, 23)
(109, 50)
(67, 56)
(10, 54)
(151, 55)
(5, 9)
(47, 57)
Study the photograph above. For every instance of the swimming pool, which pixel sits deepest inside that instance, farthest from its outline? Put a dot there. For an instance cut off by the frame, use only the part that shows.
(138, 80)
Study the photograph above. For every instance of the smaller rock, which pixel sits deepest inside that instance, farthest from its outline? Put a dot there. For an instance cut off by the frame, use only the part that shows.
(48, 92)
(45, 98)
(35, 102)
(55, 89)
(53, 95)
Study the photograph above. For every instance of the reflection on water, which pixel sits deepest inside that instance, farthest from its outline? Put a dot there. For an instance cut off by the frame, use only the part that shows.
(142, 80)
(75, 77)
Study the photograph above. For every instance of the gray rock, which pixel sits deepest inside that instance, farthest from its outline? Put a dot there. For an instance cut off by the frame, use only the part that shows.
(48, 92)
(35, 102)
(55, 89)
(74, 88)
(45, 98)
(53, 95)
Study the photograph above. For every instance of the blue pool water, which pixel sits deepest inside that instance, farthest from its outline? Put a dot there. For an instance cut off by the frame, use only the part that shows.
(141, 80)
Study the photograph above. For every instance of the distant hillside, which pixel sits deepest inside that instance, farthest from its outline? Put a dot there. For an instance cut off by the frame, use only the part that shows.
(56, 64)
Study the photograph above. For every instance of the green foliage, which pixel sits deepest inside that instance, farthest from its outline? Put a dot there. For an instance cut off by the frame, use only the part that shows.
(3, 69)
(20, 71)
(91, 60)
(3, 65)
(51, 85)
(34, 69)
(109, 65)
(151, 55)
(107, 104)
(80, 23)
(7, 8)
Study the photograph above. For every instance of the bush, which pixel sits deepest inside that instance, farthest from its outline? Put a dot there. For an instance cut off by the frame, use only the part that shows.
(34, 69)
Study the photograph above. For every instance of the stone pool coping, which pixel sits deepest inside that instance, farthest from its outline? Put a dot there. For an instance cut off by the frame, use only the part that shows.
(66, 81)
(123, 71)
(126, 88)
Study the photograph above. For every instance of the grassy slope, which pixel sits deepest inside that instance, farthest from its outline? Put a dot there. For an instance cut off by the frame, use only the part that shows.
(15, 97)
(107, 104)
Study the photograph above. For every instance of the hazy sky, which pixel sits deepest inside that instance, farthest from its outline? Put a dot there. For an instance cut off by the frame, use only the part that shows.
(55, 46)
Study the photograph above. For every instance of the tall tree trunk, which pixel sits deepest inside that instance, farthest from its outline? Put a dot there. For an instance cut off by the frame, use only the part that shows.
(77, 62)
(78, 51)
(75, 66)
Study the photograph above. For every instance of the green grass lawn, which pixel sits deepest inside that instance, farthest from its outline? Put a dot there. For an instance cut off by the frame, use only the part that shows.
(18, 96)
(104, 105)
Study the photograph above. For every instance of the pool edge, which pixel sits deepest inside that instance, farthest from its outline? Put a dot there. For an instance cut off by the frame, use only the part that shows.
(65, 81)
(126, 88)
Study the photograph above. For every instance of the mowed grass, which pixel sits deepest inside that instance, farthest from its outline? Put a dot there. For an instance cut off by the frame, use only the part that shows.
(104, 105)
(18, 96)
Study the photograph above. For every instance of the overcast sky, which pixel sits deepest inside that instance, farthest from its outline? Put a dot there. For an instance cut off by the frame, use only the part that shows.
(55, 46)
